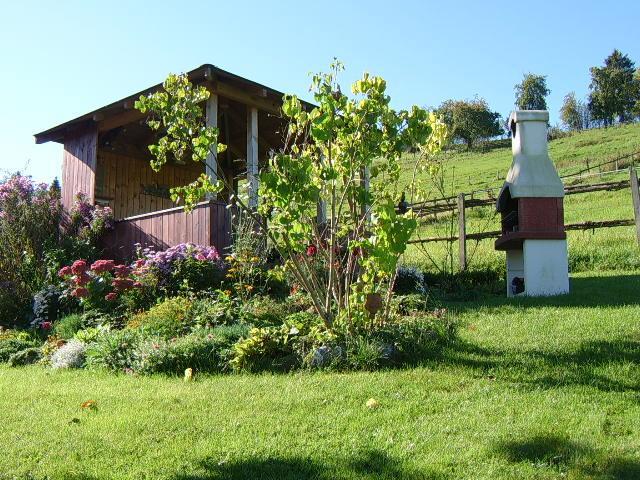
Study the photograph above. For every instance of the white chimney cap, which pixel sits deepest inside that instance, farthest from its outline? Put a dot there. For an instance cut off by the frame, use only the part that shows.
(529, 116)
(532, 173)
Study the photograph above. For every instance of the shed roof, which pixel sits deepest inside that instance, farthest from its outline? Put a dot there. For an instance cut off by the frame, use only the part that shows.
(224, 83)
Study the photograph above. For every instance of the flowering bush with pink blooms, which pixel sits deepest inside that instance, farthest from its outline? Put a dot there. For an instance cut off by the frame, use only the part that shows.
(88, 220)
(100, 285)
(30, 215)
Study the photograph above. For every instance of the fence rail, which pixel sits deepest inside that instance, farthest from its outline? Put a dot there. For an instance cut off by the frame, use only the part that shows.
(461, 203)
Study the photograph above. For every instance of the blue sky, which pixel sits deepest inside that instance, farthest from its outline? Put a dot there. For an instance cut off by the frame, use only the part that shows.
(62, 59)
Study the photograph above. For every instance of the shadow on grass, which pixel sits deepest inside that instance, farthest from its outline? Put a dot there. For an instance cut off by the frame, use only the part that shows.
(563, 455)
(549, 369)
(371, 465)
(606, 291)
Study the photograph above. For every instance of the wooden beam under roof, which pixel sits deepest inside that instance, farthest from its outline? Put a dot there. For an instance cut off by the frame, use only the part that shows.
(251, 97)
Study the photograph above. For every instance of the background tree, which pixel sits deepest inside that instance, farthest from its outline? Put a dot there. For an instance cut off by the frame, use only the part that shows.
(574, 113)
(615, 89)
(470, 120)
(531, 93)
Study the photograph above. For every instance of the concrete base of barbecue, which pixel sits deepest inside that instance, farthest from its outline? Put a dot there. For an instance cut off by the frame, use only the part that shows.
(541, 265)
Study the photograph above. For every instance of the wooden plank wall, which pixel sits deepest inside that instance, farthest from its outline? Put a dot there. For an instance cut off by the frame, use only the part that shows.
(122, 177)
(79, 165)
(208, 224)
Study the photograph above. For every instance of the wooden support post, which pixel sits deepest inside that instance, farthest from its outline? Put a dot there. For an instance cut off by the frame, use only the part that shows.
(211, 167)
(252, 155)
(462, 233)
(635, 195)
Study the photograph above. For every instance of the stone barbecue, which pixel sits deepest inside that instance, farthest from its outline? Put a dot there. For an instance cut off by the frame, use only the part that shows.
(532, 216)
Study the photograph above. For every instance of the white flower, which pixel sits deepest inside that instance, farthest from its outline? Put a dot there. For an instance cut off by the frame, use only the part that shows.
(70, 355)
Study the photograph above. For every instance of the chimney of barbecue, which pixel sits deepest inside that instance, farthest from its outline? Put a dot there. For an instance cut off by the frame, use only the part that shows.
(532, 216)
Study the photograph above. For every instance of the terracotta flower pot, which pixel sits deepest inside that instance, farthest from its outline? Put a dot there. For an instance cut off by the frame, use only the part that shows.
(373, 303)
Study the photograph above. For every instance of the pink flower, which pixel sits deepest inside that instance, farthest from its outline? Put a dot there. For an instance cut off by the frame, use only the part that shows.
(137, 285)
(80, 292)
(201, 257)
(79, 267)
(312, 250)
(121, 270)
(121, 284)
(101, 266)
(139, 263)
(65, 271)
(46, 325)
(110, 297)
(82, 279)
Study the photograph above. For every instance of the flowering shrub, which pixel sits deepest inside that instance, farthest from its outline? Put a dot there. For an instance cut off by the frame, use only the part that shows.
(89, 221)
(70, 355)
(29, 217)
(99, 285)
(184, 267)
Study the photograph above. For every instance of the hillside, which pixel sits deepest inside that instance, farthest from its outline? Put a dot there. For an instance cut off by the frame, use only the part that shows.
(580, 152)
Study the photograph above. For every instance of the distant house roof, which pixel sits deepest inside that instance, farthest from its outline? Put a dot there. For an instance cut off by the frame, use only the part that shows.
(226, 84)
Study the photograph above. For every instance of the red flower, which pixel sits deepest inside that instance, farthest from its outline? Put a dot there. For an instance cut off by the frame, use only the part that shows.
(139, 263)
(101, 266)
(110, 297)
(80, 292)
(121, 270)
(82, 279)
(65, 271)
(79, 267)
(121, 284)
(46, 325)
(137, 285)
(312, 250)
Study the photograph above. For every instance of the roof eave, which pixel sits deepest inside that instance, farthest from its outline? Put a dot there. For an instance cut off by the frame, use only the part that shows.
(204, 72)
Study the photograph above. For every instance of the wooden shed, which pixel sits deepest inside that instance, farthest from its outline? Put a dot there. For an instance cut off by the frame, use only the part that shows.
(106, 157)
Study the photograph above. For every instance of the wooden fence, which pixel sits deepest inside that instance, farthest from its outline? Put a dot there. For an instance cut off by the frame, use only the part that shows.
(464, 201)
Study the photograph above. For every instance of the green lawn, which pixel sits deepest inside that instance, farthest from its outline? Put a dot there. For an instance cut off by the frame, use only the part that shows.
(534, 389)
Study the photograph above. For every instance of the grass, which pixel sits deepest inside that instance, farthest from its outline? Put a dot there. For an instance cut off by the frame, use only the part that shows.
(534, 389)
(602, 248)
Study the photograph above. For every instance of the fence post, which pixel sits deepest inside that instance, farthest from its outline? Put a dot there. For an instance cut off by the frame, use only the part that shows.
(462, 233)
(635, 195)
